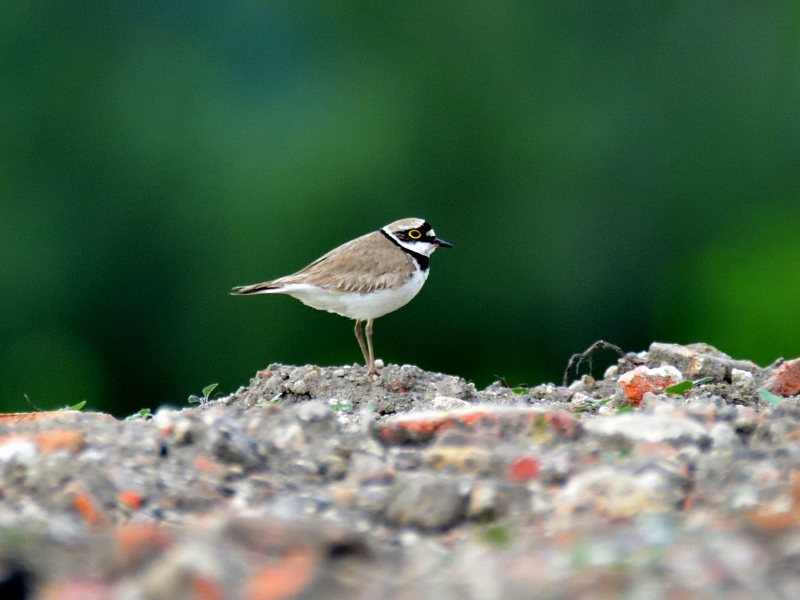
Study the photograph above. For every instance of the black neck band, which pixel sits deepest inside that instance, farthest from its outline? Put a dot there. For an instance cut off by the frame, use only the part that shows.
(422, 260)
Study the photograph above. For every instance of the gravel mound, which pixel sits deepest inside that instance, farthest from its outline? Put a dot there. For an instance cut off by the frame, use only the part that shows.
(675, 476)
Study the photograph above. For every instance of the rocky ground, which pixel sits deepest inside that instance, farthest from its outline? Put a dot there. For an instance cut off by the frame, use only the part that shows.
(325, 483)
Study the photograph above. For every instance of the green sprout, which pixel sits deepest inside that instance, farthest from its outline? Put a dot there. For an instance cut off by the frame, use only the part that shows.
(599, 401)
(769, 396)
(685, 386)
(206, 393)
(496, 535)
(143, 414)
(346, 405)
(77, 406)
(274, 400)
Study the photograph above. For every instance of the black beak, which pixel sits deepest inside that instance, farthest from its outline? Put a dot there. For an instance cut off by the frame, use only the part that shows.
(442, 243)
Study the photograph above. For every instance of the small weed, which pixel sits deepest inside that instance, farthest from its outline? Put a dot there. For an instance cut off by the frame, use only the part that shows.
(143, 414)
(206, 393)
(520, 390)
(769, 396)
(622, 452)
(77, 406)
(624, 409)
(599, 401)
(342, 406)
(274, 400)
(685, 386)
(496, 535)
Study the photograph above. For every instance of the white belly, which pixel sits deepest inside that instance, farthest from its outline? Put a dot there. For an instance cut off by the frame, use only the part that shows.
(354, 305)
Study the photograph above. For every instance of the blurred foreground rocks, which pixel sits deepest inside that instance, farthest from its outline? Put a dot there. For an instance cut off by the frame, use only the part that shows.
(675, 476)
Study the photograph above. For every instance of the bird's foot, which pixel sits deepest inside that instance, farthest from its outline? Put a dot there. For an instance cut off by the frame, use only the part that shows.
(374, 368)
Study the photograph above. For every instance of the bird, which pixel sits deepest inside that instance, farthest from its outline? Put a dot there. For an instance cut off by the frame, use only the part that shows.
(363, 279)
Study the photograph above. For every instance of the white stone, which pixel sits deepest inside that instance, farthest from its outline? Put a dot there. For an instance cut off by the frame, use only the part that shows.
(646, 428)
(447, 402)
(665, 372)
(743, 382)
(164, 417)
(18, 449)
(580, 401)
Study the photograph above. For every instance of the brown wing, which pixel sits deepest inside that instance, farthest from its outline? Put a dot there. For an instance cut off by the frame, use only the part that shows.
(370, 262)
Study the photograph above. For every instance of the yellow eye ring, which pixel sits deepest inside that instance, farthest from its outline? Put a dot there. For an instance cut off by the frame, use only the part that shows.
(414, 234)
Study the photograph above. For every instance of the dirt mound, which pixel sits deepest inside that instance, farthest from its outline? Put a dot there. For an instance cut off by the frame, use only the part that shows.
(677, 474)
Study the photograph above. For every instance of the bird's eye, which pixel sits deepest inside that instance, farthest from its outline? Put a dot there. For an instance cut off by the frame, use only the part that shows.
(414, 234)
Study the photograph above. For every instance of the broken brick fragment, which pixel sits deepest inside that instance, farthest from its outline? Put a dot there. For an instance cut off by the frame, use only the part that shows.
(47, 441)
(59, 439)
(205, 588)
(640, 380)
(283, 579)
(78, 588)
(785, 379)
(60, 415)
(87, 508)
(135, 542)
(130, 498)
(776, 517)
(423, 426)
(523, 468)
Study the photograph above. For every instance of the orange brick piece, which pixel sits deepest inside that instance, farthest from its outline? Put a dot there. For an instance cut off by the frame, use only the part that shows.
(785, 379)
(78, 588)
(60, 415)
(59, 439)
(283, 579)
(87, 509)
(138, 541)
(418, 427)
(130, 498)
(27, 417)
(771, 518)
(204, 588)
(523, 468)
(640, 380)
(48, 441)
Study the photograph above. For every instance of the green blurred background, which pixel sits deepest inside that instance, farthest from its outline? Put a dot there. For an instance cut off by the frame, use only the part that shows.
(622, 170)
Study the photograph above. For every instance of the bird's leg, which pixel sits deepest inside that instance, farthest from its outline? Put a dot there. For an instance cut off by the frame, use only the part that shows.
(371, 364)
(360, 339)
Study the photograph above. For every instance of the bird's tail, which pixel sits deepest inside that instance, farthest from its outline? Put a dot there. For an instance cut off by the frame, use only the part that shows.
(257, 288)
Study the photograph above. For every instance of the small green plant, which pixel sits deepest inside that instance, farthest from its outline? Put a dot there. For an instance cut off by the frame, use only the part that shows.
(599, 401)
(496, 535)
(206, 393)
(624, 409)
(274, 400)
(143, 414)
(769, 396)
(77, 406)
(520, 390)
(685, 386)
(346, 405)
